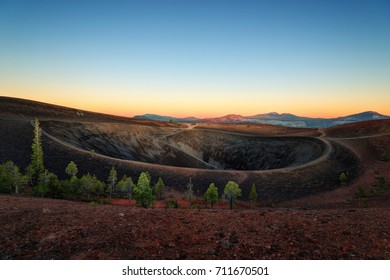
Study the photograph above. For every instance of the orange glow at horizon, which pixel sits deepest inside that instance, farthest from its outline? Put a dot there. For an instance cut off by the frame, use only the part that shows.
(210, 108)
(201, 104)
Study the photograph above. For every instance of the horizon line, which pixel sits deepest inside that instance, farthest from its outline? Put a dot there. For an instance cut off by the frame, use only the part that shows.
(181, 116)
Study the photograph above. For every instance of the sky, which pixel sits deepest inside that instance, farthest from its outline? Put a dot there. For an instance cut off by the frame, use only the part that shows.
(199, 58)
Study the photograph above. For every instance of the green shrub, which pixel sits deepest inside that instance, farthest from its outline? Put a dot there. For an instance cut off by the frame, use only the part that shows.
(195, 206)
(343, 178)
(48, 185)
(105, 201)
(361, 193)
(94, 203)
(381, 182)
(171, 203)
(373, 191)
(384, 157)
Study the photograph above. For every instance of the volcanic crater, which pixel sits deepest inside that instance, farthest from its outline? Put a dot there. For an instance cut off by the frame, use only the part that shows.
(194, 148)
(285, 163)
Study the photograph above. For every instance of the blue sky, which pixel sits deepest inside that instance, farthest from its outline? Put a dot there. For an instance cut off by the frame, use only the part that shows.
(204, 58)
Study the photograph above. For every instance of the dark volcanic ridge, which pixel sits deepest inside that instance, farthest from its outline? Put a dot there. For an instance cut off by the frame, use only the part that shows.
(23, 109)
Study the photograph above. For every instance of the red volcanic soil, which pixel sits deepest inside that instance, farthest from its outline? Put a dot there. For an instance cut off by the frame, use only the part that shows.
(360, 129)
(35, 228)
(370, 142)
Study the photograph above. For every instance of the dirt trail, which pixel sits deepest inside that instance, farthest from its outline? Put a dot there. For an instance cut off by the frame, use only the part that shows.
(359, 137)
(325, 155)
(322, 132)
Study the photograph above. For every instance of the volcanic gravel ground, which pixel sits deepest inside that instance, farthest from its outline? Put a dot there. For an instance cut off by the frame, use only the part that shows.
(34, 228)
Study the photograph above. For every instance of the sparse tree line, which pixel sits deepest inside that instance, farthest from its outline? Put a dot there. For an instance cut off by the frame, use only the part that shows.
(39, 181)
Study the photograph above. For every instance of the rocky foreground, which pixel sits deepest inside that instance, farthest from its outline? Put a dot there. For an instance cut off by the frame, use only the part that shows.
(34, 228)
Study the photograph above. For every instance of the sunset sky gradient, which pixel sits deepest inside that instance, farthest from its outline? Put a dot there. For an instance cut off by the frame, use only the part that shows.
(199, 58)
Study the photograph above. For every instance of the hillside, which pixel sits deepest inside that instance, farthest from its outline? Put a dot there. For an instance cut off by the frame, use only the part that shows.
(22, 109)
(302, 211)
(173, 153)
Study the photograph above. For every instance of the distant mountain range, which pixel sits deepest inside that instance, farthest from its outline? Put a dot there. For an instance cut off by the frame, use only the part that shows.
(274, 119)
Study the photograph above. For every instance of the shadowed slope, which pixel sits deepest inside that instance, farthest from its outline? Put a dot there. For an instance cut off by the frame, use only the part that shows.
(22, 109)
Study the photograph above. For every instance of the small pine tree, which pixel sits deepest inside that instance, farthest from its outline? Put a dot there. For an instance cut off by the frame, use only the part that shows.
(98, 186)
(211, 194)
(91, 185)
(143, 193)
(5, 178)
(112, 179)
(19, 181)
(253, 195)
(190, 191)
(87, 185)
(125, 187)
(159, 188)
(48, 185)
(149, 177)
(72, 186)
(11, 180)
(231, 192)
(71, 169)
(37, 152)
(29, 172)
